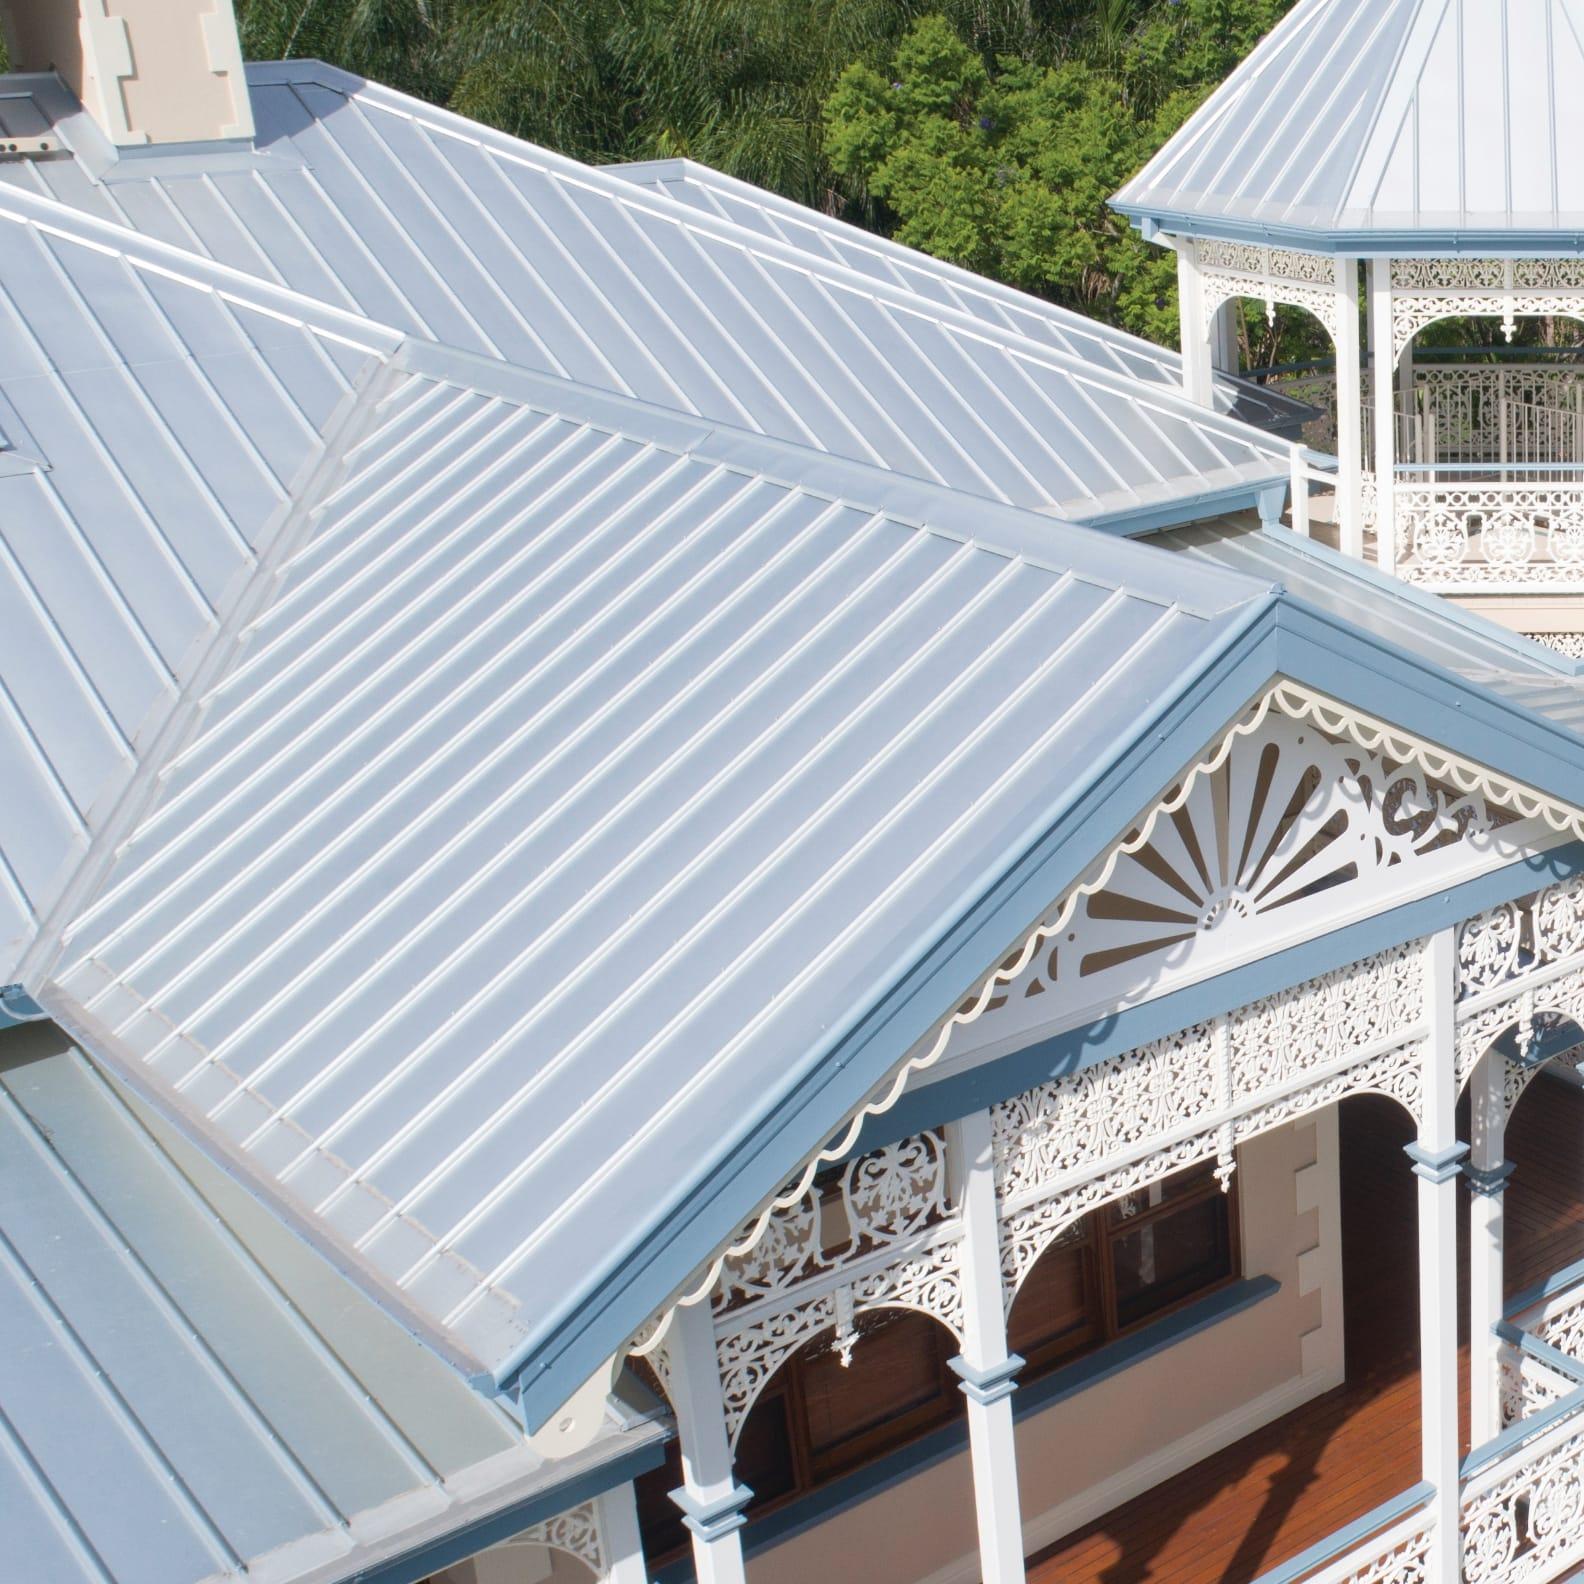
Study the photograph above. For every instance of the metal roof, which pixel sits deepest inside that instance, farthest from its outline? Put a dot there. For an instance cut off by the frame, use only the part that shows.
(1391, 125)
(1530, 675)
(187, 1391)
(934, 280)
(424, 221)
(572, 738)
(155, 416)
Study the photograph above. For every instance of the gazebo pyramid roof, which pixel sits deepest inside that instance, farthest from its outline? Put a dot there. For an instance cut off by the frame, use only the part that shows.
(1388, 126)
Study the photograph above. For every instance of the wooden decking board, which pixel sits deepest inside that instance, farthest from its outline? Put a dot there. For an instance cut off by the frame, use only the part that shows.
(1262, 1501)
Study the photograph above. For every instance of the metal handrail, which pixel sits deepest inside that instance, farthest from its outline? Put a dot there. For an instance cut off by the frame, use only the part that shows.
(1353, 1535)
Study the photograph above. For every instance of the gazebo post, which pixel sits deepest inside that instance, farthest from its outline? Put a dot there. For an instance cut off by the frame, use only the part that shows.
(1487, 1171)
(987, 1369)
(1383, 387)
(1350, 426)
(1195, 327)
(1437, 1155)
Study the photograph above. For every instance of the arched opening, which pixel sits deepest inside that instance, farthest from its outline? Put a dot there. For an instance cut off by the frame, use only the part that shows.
(1266, 1496)
(1124, 1266)
(834, 1407)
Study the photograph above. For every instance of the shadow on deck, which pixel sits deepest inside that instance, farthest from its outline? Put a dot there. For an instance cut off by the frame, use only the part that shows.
(1268, 1497)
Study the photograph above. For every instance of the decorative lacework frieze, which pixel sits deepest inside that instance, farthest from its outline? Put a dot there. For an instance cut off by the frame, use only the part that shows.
(1524, 1518)
(1453, 274)
(1073, 1125)
(1252, 258)
(576, 1532)
(1427, 289)
(878, 1201)
(1269, 275)
(753, 1343)
(1326, 1020)
(1520, 966)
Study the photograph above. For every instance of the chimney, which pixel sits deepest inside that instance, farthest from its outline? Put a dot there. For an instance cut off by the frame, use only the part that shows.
(150, 72)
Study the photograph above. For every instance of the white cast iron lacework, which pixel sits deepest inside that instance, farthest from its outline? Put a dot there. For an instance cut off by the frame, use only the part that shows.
(1425, 290)
(1524, 1518)
(1398, 1556)
(879, 1234)
(1269, 275)
(576, 1531)
(1485, 534)
(1520, 966)
(1527, 1385)
(1285, 699)
(1078, 1142)
(1287, 815)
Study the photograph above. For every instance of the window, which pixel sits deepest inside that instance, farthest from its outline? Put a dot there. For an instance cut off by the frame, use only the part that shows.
(1124, 1265)
(1121, 1267)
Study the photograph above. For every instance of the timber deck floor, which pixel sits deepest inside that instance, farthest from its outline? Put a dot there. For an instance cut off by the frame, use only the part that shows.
(1273, 1494)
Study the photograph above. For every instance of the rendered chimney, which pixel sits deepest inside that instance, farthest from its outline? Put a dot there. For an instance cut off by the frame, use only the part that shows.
(150, 72)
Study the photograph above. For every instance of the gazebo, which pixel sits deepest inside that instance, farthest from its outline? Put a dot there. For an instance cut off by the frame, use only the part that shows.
(1383, 165)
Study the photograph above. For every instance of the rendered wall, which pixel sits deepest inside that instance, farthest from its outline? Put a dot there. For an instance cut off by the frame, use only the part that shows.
(148, 71)
(1088, 1453)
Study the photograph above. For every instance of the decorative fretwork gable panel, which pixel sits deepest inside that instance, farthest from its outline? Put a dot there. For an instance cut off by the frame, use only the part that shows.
(1290, 832)
(1303, 815)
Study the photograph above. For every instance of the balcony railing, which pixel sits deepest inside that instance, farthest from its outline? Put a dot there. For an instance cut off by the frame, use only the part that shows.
(1521, 1501)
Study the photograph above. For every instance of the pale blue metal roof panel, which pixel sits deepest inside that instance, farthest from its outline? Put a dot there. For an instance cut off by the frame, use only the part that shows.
(469, 238)
(187, 1391)
(167, 411)
(1453, 121)
(573, 733)
(933, 280)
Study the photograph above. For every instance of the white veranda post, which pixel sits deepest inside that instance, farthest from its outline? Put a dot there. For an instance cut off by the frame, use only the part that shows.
(616, 1514)
(1436, 1158)
(1384, 387)
(711, 1500)
(1487, 1172)
(1198, 383)
(985, 1366)
(1350, 427)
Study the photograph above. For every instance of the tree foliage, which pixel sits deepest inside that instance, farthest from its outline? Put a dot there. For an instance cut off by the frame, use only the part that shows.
(1006, 167)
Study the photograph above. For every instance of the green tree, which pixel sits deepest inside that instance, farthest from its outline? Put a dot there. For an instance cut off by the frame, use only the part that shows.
(1007, 167)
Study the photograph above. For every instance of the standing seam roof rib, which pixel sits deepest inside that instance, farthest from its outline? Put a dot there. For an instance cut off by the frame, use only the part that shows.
(474, 240)
(948, 285)
(381, 931)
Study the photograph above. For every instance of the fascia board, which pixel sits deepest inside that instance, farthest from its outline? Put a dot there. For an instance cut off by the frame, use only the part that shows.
(1359, 242)
(639, 1277)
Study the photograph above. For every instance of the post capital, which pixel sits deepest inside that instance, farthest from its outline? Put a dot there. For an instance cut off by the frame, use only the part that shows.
(1436, 1166)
